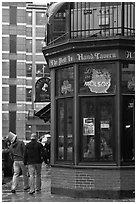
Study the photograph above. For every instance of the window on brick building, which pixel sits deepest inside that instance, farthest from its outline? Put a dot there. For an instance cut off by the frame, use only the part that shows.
(28, 94)
(12, 71)
(29, 18)
(28, 70)
(40, 18)
(42, 70)
(12, 94)
(39, 45)
(13, 15)
(29, 45)
(13, 40)
(12, 121)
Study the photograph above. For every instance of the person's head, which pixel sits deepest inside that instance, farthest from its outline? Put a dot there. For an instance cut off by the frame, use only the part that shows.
(33, 136)
(11, 137)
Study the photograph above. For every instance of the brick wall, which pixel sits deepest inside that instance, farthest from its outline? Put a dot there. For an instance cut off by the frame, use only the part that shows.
(92, 179)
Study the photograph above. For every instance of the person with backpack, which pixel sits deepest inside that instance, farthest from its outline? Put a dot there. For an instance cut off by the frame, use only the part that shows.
(16, 150)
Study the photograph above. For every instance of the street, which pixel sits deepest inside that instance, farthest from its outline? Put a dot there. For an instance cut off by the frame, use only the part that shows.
(45, 195)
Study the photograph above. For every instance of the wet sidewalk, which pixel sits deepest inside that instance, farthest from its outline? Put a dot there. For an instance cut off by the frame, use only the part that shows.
(45, 194)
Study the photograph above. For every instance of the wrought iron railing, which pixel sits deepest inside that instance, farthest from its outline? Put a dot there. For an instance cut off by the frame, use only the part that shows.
(90, 19)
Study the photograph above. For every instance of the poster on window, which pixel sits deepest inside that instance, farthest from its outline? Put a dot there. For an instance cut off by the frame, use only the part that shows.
(88, 126)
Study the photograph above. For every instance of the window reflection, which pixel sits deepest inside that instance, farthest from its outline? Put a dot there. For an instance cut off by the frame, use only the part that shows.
(128, 78)
(106, 130)
(61, 130)
(97, 128)
(65, 81)
(69, 131)
(65, 130)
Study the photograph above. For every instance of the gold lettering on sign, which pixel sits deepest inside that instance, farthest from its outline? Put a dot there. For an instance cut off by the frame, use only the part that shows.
(130, 54)
(95, 56)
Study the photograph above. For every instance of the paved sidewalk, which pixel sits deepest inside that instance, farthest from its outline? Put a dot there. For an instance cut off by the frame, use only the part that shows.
(45, 195)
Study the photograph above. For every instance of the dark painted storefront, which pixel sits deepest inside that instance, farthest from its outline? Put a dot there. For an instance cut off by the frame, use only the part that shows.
(90, 53)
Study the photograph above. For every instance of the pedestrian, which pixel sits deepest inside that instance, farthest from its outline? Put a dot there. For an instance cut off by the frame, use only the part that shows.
(16, 150)
(33, 157)
(47, 149)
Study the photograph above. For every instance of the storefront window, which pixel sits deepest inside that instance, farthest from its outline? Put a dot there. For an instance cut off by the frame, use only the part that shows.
(128, 128)
(96, 128)
(65, 130)
(65, 81)
(128, 78)
(97, 78)
(128, 112)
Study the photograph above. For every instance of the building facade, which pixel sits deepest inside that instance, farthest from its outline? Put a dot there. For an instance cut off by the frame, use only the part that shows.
(23, 64)
(90, 52)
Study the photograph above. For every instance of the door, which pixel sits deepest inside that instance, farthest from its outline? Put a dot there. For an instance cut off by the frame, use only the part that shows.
(96, 129)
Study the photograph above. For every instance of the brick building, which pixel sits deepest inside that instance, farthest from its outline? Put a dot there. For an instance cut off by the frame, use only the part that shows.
(23, 64)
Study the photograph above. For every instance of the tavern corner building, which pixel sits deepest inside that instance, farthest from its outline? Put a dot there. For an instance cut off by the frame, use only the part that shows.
(90, 51)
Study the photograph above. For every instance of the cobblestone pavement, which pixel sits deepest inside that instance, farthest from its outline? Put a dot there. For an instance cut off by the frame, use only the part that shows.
(45, 195)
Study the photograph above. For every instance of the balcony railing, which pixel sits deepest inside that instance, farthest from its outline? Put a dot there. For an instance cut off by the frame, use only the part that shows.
(92, 20)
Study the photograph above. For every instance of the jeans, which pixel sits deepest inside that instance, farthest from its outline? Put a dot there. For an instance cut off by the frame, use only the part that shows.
(17, 167)
(35, 168)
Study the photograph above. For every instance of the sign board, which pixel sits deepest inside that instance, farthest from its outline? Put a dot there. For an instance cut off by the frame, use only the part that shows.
(88, 126)
(42, 88)
(92, 56)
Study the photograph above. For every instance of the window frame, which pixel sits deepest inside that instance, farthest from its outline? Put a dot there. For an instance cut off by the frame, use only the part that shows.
(125, 95)
(97, 130)
(65, 154)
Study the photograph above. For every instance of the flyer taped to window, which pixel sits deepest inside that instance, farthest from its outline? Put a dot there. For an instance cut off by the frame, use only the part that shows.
(88, 126)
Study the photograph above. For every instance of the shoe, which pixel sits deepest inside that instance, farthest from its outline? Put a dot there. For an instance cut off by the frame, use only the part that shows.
(25, 189)
(31, 192)
(13, 191)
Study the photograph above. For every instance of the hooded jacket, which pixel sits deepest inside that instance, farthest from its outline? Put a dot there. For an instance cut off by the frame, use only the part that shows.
(17, 150)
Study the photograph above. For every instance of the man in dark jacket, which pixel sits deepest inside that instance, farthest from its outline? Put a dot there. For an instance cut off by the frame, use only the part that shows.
(33, 157)
(16, 149)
